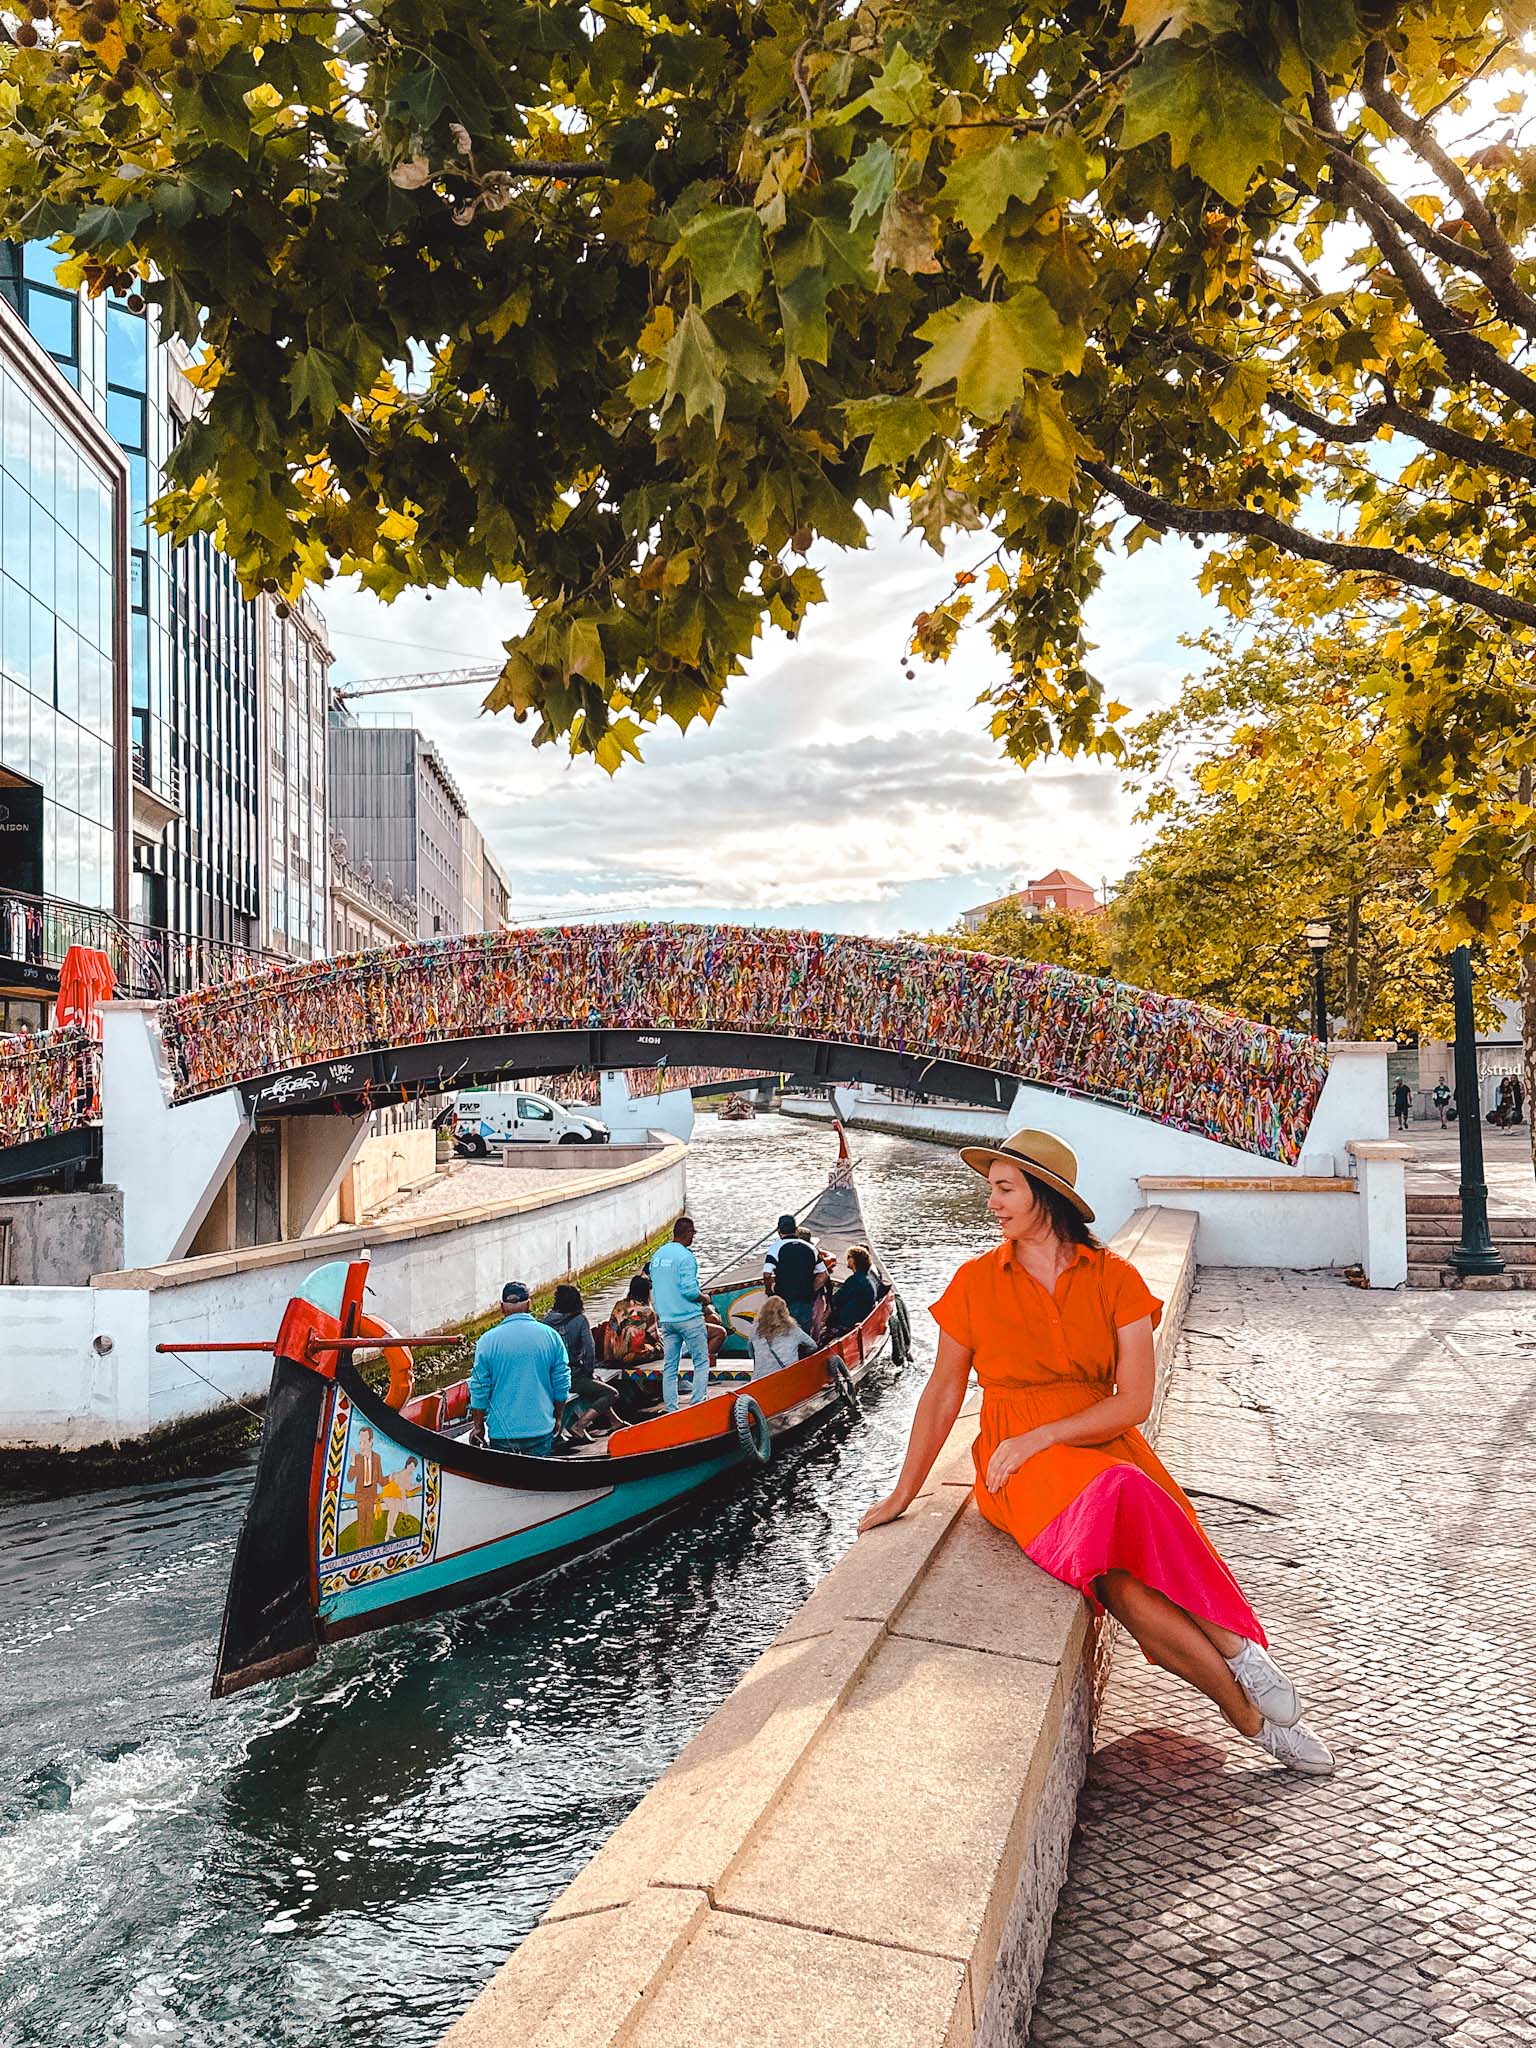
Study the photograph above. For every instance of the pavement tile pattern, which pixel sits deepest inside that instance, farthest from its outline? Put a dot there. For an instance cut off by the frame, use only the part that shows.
(1366, 1463)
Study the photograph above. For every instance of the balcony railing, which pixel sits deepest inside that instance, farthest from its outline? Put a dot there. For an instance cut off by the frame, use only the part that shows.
(167, 786)
(184, 963)
(148, 962)
(41, 929)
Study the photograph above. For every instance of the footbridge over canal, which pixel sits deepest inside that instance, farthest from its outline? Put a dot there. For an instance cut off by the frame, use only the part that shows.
(329, 1041)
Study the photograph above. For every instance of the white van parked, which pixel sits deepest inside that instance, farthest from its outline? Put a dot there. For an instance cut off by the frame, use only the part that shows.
(485, 1120)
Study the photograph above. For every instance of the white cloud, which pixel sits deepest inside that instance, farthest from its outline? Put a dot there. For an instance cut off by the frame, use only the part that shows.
(828, 791)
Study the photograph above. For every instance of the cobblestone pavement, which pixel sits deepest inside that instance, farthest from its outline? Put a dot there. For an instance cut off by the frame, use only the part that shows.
(1382, 1444)
(1506, 1164)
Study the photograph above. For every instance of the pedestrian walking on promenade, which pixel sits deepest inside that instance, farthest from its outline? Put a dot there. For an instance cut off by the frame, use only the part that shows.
(679, 1304)
(1442, 1100)
(1402, 1104)
(1059, 1331)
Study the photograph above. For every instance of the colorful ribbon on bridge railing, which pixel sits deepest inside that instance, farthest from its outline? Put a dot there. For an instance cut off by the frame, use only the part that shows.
(49, 1083)
(1187, 1065)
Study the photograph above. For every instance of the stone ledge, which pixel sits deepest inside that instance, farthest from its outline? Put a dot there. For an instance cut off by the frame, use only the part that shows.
(358, 1237)
(863, 1845)
(1249, 1184)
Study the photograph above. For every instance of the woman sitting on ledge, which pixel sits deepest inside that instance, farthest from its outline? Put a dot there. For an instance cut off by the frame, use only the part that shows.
(1059, 1331)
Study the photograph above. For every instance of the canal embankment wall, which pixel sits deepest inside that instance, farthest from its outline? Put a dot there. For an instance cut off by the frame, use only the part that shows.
(863, 1845)
(80, 1368)
(1343, 1203)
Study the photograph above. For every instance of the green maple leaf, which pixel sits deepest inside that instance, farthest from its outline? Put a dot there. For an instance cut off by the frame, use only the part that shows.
(724, 248)
(112, 227)
(986, 349)
(901, 93)
(694, 363)
(311, 382)
(1215, 115)
(897, 428)
(980, 187)
(873, 179)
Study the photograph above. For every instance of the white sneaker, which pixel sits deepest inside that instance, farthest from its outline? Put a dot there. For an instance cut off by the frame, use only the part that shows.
(1266, 1685)
(1297, 1748)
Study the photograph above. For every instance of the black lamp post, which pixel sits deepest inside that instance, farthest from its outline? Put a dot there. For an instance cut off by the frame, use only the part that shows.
(1317, 935)
(1476, 1253)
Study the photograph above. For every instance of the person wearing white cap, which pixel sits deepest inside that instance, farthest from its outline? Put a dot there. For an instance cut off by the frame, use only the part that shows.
(1059, 1332)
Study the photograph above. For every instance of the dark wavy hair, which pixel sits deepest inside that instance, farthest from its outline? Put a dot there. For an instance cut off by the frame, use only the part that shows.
(568, 1301)
(1068, 1223)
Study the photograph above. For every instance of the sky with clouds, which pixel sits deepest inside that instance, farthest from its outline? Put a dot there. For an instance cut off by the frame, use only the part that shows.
(828, 792)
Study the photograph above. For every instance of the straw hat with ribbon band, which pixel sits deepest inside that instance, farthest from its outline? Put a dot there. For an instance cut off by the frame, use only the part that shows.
(1039, 1155)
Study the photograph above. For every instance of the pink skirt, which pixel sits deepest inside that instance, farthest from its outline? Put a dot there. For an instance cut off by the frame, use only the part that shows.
(1124, 1521)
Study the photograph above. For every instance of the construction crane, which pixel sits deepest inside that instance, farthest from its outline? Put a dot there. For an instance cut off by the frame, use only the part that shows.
(432, 679)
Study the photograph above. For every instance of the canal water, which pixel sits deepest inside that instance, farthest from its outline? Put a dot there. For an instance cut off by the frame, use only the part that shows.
(347, 1856)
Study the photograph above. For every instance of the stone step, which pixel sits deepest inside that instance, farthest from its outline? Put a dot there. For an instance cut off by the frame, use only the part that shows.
(1448, 1226)
(1517, 1279)
(1425, 1251)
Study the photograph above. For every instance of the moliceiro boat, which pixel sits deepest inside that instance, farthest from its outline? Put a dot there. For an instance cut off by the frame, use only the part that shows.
(363, 1513)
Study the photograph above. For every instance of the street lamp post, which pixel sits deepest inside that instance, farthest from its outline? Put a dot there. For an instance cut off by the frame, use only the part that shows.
(1317, 935)
(1476, 1253)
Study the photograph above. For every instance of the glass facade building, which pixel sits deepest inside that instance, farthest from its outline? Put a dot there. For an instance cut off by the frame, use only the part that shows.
(61, 510)
(213, 869)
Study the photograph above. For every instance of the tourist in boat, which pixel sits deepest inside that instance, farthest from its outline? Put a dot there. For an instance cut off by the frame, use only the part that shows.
(520, 1381)
(795, 1272)
(777, 1339)
(1059, 1331)
(714, 1330)
(679, 1304)
(567, 1317)
(590, 1401)
(855, 1298)
(632, 1333)
(785, 1229)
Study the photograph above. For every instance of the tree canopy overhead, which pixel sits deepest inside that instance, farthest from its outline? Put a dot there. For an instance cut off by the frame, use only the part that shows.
(632, 308)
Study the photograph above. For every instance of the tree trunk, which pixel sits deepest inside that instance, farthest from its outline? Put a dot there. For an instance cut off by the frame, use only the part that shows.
(1528, 981)
(1353, 1025)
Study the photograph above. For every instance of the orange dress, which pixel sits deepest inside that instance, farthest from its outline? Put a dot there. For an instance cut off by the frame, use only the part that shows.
(1079, 1509)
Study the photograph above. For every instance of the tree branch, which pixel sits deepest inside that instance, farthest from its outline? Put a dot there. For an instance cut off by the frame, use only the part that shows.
(1388, 412)
(1238, 522)
(1467, 354)
(1366, 424)
(1426, 145)
(1383, 212)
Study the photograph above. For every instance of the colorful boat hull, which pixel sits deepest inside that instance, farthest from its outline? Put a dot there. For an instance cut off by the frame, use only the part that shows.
(363, 1513)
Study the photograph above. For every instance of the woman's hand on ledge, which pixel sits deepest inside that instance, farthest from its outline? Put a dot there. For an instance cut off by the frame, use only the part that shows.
(883, 1511)
(1010, 1454)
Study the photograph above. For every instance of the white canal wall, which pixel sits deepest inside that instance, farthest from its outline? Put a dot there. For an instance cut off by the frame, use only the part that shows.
(79, 1370)
(1340, 1205)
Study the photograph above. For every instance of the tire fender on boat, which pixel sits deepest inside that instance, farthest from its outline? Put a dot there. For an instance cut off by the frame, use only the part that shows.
(751, 1427)
(842, 1380)
(901, 1332)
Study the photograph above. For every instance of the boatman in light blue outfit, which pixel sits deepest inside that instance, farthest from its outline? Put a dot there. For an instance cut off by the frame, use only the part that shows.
(679, 1305)
(521, 1379)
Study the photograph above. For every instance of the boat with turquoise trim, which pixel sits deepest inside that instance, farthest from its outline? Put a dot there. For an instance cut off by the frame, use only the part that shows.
(363, 1514)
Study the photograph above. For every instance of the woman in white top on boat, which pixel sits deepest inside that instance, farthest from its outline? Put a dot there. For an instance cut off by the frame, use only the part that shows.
(777, 1339)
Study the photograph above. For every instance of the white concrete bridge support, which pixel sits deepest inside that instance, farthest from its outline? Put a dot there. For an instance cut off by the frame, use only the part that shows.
(630, 1117)
(170, 1163)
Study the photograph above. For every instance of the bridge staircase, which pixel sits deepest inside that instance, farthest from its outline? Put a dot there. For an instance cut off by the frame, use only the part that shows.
(1434, 1226)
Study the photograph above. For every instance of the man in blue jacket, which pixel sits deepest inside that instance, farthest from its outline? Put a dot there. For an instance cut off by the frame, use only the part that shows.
(521, 1379)
(679, 1304)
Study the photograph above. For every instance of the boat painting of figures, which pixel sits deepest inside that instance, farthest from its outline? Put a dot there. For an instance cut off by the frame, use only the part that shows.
(363, 1514)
